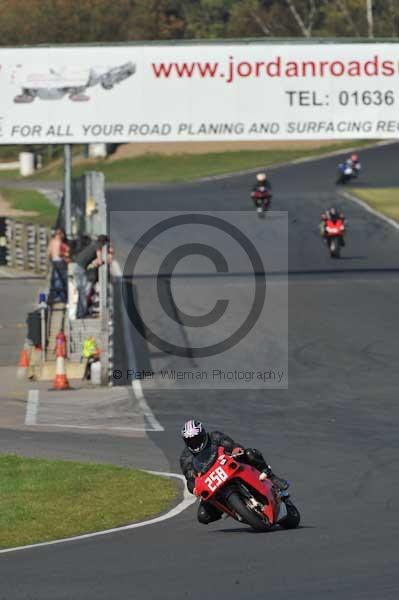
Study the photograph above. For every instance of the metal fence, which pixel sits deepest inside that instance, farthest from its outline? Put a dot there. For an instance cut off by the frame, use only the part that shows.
(26, 246)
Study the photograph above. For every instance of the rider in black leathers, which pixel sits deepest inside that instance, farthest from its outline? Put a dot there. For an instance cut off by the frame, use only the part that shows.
(262, 185)
(197, 439)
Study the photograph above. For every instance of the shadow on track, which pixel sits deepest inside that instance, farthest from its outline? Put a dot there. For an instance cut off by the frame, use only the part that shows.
(353, 257)
(246, 529)
(359, 271)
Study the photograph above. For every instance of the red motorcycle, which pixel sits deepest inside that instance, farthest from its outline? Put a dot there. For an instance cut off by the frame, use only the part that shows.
(262, 199)
(236, 490)
(334, 233)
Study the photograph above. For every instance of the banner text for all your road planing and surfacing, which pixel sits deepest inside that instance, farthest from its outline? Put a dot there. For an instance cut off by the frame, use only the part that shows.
(204, 92)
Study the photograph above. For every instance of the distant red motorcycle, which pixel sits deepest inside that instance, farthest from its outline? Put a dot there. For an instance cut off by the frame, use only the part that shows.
(334, 233)
(236, 490)
(262, 200)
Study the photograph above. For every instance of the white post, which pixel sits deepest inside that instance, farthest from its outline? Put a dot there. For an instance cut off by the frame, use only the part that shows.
(26, 163)
(370, 18)
(43, 307)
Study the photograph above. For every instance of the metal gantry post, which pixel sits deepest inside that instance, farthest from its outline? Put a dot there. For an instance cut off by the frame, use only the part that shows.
(370, 21)
(68, 188)
(103, 281)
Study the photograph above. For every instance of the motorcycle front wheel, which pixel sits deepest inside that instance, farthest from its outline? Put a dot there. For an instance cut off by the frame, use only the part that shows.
(248, 515)
(293, 517)
(335, 250)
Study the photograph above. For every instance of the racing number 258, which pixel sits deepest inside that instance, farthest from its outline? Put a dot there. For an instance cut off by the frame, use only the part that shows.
(216, 478)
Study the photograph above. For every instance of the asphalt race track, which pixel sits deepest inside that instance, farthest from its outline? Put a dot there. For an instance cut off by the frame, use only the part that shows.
(333, 433)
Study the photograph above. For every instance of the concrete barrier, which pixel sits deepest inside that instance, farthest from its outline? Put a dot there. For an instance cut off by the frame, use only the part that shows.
(9, 166)
(26, 163)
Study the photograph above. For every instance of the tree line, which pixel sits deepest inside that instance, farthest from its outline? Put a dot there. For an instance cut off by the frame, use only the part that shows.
(84, 21)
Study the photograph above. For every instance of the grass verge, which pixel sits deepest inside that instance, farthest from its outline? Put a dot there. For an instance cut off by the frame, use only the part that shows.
(10, 174)
(43, 500)
(157, 168)
(30, 201)
(385, 200)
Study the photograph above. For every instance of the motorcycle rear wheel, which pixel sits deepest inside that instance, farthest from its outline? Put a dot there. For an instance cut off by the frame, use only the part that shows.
(249, 516)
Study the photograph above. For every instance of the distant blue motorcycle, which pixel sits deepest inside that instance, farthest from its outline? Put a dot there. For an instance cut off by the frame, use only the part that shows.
(347, 171)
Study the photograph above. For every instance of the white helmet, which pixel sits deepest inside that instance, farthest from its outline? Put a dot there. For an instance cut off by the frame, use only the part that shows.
(194, 435)
(261, 177)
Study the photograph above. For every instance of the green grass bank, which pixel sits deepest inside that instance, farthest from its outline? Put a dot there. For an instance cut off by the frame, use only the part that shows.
(43, 500)
(160, 168)
(37, 207)
(384, 200)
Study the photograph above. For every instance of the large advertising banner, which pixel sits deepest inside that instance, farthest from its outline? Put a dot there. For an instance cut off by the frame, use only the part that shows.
(199, 92)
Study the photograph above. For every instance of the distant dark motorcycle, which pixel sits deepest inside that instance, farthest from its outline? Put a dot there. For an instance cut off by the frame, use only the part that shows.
(262, 200)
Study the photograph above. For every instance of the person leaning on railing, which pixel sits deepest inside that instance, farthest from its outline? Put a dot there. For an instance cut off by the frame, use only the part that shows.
(90, 255)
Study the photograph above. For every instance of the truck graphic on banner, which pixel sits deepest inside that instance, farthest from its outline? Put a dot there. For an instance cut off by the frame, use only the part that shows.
(53, 83)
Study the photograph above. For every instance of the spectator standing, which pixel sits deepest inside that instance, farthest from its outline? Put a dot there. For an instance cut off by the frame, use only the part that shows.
(58, 253)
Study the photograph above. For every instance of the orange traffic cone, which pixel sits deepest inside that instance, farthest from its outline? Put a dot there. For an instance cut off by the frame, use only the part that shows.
(60, 380)
(23, 364)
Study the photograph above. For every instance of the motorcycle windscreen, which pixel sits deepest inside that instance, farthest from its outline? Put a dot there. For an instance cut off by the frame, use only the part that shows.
(204, 460)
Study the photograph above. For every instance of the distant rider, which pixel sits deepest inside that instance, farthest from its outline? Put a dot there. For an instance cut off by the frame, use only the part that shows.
(261, 186)
(332, 215)
(197, 440)
(354, 162)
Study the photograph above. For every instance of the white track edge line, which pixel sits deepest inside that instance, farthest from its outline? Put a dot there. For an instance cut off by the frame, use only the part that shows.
(103, 428)
(147, 412)
(188, 499)
(32, 407)
(368, 208)
(136, 383)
